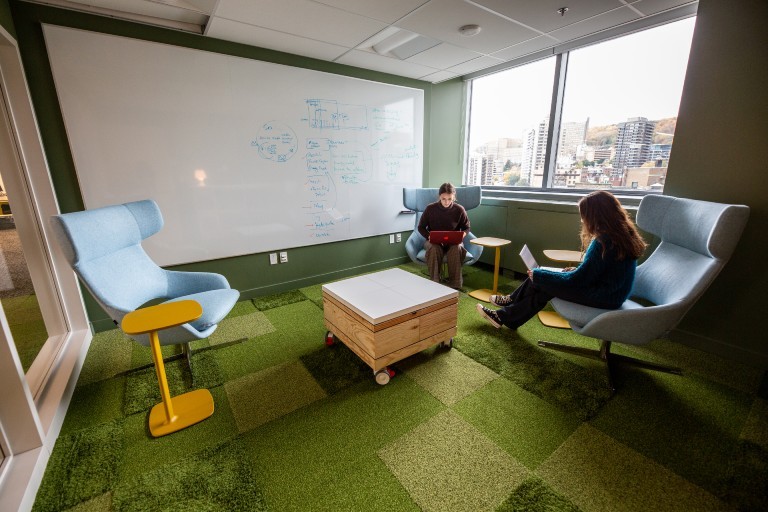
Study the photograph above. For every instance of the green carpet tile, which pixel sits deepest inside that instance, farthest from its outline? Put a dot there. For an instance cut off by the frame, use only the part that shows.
(496, 423)
(263, 396)
(598, 473)
(241, 327)
(448, 375)
(447, 464)
(217, 478)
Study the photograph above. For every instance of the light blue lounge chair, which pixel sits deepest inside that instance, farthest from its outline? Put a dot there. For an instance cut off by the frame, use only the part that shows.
(103, 245)
(417, 199)
(696, 240)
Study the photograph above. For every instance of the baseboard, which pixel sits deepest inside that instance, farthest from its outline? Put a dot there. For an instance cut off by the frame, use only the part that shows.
(719, 348)
(320, 278)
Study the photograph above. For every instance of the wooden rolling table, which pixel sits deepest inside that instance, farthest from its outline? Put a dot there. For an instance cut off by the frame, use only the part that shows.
(387, 316)
(552, 318)
(496, 243)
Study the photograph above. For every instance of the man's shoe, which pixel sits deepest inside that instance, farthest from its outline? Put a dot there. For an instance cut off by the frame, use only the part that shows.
(489, 315)
(501, 300)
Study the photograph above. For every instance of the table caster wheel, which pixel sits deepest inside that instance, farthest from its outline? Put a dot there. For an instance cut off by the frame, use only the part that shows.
(447, 344)
(330, 339)
(382, 376)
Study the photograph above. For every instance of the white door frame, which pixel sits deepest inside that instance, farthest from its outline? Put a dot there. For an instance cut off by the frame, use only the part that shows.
(33, 405)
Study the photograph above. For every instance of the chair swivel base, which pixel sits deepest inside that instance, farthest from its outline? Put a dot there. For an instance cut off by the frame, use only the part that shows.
(604, 354)
(189, 408)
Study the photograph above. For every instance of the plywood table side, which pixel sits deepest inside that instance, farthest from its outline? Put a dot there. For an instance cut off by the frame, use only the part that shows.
(401, 333)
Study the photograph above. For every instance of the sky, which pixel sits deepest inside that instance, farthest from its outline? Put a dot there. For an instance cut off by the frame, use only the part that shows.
(639, 75)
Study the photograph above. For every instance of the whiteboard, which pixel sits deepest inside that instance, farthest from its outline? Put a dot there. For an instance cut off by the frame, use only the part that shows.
(242, 156)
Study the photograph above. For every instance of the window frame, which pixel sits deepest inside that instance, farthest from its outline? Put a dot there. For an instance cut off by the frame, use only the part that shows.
(561, 54)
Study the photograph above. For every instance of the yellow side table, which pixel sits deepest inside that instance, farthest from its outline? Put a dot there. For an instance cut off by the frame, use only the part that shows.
(497, 243)
(172, 414)
(552, 318)
(564, 255)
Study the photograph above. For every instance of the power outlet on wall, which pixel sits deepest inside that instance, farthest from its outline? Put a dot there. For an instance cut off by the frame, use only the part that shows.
(398, 238)
(283, 257)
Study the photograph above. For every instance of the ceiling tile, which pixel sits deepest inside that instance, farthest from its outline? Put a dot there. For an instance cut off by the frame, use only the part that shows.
(444, 56)
(653, 6)
(440, 76)
(542, 14)
(303, 18)
(388, 11)
(329, 29)
(153, 9)
(377, 62)
(596, 24)
(441, 20)
(530, 46)
(474, 65)
(229, 30)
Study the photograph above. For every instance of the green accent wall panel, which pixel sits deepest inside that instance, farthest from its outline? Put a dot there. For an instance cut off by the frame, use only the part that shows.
(446, 135)
(719, 155)
(6, 19)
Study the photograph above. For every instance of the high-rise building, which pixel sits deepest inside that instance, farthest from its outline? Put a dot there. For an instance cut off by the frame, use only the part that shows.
(633, 142)
(534, 151)
(572, 135)
(480, 170)
(660, 152)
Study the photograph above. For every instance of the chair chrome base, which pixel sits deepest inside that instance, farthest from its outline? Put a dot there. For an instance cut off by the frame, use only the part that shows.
(186, 352)
(604, 354)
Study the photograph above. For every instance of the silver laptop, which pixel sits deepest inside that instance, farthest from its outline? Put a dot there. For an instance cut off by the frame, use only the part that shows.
(531, 263)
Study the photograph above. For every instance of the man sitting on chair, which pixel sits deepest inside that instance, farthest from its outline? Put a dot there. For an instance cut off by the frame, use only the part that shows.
(445, 215)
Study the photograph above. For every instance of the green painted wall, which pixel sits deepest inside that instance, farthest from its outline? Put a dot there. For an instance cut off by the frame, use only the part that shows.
(719, 155)
(446, 135)
(6, 21)
(251, 274)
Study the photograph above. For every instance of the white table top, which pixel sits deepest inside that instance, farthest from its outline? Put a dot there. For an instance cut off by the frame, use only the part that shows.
(384, 295)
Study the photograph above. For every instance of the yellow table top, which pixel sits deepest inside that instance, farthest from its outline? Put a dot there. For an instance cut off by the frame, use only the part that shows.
(162, 316)
(489, 241)
(563, 255)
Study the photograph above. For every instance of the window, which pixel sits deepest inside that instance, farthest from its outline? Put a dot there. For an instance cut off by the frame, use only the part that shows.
(618, 104)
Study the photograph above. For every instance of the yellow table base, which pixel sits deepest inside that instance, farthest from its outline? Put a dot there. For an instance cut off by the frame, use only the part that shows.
(553, 319)
(484, 294)
(189, 408)
(496, 243)
(172, 414)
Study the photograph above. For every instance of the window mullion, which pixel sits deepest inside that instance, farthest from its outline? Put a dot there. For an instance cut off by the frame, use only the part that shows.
(555, 115)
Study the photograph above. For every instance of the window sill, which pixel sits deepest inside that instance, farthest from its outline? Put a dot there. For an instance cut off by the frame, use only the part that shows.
(628, 199)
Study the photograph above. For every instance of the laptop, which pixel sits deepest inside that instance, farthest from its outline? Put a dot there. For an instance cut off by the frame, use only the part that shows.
(446, 237)
(531, 263)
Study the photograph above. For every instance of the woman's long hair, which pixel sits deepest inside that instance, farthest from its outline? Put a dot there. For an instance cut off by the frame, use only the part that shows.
(603, 217)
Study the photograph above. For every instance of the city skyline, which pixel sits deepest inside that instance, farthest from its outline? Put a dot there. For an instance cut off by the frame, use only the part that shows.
(598, 85)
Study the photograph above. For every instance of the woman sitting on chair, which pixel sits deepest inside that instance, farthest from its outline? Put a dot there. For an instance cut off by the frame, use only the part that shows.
(602, 280)
(445, 215)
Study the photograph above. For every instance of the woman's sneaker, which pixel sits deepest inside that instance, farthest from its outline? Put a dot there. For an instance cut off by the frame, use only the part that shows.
(501, 300)
(489, 315)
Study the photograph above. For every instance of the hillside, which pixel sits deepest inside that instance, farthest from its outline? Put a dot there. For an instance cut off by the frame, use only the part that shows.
(606, 135)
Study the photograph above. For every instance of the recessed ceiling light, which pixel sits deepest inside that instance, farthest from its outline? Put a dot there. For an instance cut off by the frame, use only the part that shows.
(469, 30)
